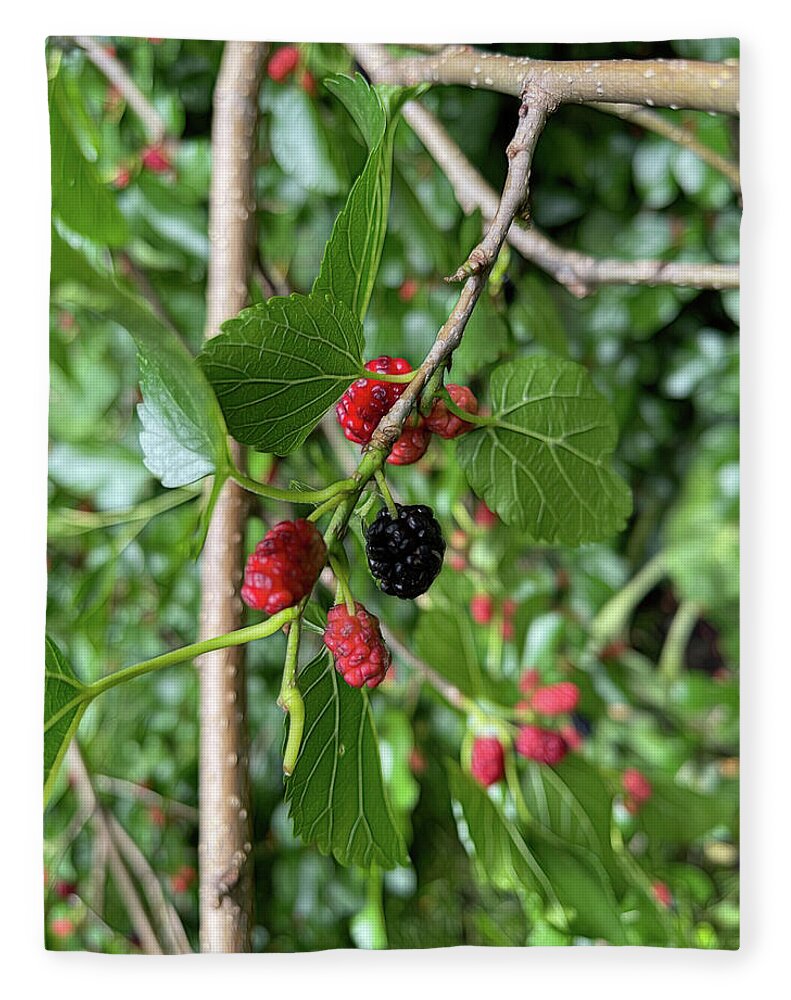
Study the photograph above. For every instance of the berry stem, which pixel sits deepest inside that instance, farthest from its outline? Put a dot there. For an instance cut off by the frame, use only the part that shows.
(342, 577)
(236, 638)
(381, 482)
(470, 418)
(290, 699)
(293, 496)
(433, 386)
(671, 659)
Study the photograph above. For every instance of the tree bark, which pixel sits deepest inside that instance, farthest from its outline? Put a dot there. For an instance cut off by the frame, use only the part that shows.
(225, 828)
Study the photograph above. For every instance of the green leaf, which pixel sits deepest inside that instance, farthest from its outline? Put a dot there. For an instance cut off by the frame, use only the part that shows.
(299, 142)
(352, 255)
(336, 794)
(702, 530)
(78, 196)
(184, 436)
(449, 642)
(279, 366)
(543, 462)
(572, 803)
(65, 701)
(676, 815)
(575, 890)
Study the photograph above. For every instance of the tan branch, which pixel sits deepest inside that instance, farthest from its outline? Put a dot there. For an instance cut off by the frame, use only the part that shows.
(169, 920)
(225, 826)
(533, 113)
(114, 71)
(667, 83)
(579, 272)
(654, 122)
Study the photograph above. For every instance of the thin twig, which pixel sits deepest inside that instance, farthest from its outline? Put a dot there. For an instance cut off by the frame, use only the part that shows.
(533, 112)
(449, 691)
(654, 122)
(86, 797)
(153, 123)
(130, 789)
(668, 83)
(580, 273)
(169, 919)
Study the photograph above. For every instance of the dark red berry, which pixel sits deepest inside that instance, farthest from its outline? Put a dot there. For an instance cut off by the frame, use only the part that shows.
(484, 517)
(282, 62)
(65, 889)
(529, 680)
(284, 567)
(481, 609)
(367, 400)
(408, 290)
(156, 160)
(556, 699)
(542, 745)
(308, 83)
(636, 785)
(487, 764)
(356, 642)
(411, 446)
(507, 629)
(441, 421)
(662, 894)
(510, 607)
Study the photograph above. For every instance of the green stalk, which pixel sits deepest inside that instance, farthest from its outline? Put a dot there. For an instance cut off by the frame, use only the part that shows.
(381, 482)
(611, 620)
(671, 660)
(292, 496)
(290, 699)
(236, 638)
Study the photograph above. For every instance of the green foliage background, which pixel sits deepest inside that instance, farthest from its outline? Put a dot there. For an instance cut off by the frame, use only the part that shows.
(123, 587)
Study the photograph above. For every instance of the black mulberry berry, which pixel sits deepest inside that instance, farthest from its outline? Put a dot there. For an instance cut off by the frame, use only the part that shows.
(405, 553)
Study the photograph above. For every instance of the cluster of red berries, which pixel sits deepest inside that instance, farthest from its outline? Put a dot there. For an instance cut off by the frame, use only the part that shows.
(537, 743)
(367, 400)
(282, 64)
(284, 566)
(482, 611)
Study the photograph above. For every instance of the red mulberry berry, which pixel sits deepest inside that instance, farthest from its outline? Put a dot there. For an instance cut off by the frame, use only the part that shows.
(356, 642)
(481, 609)
(411, 445)
(441, 421)
(488, 761)
(529, 680)
(662, 894)
(484, 517)
(284, 567)
(283, 62)
(408, 290)
(367, 400)
(556, 699)
(156, 160)
(636, 785)
(541, 745)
